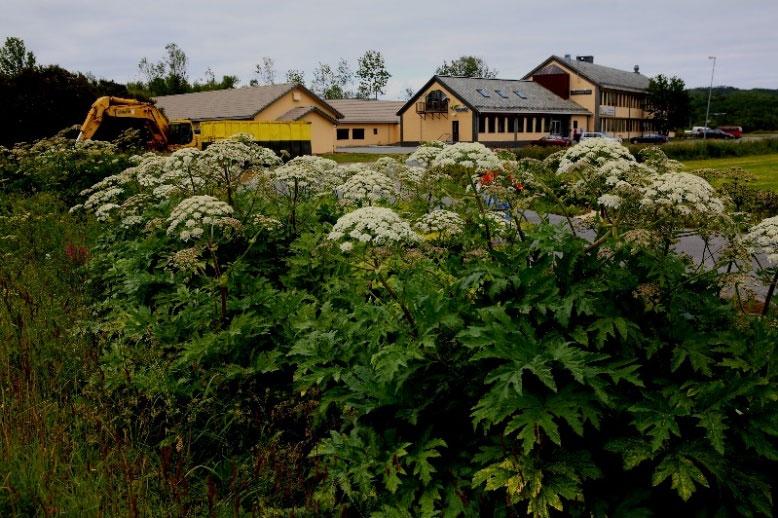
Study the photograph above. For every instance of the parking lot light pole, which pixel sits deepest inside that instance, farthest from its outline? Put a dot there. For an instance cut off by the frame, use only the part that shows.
(710, 91)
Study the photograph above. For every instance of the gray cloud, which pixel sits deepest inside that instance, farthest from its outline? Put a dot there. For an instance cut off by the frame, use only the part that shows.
(230, 36)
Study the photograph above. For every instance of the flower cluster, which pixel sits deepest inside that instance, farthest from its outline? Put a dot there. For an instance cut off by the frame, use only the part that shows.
(425, 154)
(306, 175)
(682, 194)
(196, 214)
(368, 187)
(763, 239)
(593, 152)
(472, 156)
(440, 221)
(373, 226)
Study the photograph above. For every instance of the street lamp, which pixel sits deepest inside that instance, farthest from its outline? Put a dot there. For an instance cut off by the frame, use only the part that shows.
(710, 91)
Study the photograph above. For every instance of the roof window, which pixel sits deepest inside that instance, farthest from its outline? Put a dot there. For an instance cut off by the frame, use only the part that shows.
(482, 92)
(501, 94)
(520, 94)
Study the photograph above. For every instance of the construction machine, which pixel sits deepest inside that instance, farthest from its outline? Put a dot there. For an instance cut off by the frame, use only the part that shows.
(109, 116)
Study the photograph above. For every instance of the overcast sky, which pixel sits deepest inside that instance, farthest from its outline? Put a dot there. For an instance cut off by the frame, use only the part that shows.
(675, 37)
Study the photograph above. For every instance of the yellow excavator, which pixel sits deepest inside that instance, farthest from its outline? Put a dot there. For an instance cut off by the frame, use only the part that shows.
(109, 116)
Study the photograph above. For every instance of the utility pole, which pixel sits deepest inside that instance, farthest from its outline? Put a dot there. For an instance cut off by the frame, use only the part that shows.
(710, 91)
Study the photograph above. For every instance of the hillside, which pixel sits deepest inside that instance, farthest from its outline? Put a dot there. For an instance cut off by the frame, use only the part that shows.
(755, 109)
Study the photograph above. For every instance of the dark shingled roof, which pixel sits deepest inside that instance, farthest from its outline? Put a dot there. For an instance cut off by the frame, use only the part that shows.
(233, 103)
(364, 111)
(607, 77)
(531, 97)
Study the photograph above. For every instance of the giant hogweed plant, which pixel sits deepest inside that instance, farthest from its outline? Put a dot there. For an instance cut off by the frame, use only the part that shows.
(444, 356)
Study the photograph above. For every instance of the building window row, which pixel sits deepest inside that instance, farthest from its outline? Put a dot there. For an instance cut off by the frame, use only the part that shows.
(624, 125)
(624, 100)
(512, 124)
(356, 133)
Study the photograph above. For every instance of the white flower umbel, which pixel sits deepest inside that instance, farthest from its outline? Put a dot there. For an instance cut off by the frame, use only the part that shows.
(440, 221)
(373, 226)
(763, 239)
(185, 170)
(200, 216)
(425, 154)
(593, 152)
(368, 187)
(306, 175)
(472, 156)
(681, 194)
(261, 156)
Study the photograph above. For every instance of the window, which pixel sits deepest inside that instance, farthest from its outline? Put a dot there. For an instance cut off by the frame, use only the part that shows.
(482, 92)
(375, 131)
(520, 94)
(499, 92)
(342, 134)
(481, 124)
(520, 121)
(490, 124)
(358, 134)
(437, 102)
(500, 124)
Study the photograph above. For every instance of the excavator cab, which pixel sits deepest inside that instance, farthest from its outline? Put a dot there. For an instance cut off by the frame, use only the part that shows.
(180, 134)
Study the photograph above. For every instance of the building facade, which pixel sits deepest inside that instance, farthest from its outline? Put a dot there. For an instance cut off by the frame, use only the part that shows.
(499, 112)
(285, 102)
(367, 122)
(616, 98)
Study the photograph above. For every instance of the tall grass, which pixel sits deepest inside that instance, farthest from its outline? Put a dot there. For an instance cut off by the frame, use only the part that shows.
(57, 456)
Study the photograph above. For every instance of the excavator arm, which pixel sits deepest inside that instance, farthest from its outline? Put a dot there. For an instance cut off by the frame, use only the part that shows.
(121, 108)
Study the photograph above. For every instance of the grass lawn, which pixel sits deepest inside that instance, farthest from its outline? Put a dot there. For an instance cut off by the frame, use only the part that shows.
(349, 158)
(764, 167)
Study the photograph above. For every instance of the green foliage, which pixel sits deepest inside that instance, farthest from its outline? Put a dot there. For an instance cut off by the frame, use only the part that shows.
(522, 372)
(467, 66)
(43, 100)
(754, 109)
(372, 74)
(668, 103)
(14, 57)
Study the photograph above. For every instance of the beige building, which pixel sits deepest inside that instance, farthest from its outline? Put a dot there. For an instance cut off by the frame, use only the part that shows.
(367, 122)
(285, 102)
(616, 98)
(498, 112)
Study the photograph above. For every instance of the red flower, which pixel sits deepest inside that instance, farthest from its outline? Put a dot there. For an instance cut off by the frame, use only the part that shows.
(518, 186)
(77, 254)
(488, 177)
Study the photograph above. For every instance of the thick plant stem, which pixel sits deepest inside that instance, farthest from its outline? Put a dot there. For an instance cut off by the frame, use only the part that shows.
(480, 203)
(406, 312)
(222, 288)
(770, 292)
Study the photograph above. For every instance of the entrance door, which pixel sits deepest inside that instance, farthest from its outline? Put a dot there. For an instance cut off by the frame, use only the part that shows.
(455, 131)
(556, 127)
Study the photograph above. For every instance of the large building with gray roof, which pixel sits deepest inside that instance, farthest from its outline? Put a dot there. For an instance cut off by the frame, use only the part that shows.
(561, 96)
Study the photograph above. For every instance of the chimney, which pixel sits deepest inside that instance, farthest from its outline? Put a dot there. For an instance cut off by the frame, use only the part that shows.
(586, 59)
(568, 57)
(637, 69)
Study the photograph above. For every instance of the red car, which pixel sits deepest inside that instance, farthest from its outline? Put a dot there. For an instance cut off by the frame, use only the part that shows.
(735, 131)
(552, 140)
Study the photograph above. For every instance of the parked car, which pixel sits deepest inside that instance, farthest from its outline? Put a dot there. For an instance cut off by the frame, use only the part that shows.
(586, 135)
(715, 134)
(552, 140)
(735, 131)
(650, 138)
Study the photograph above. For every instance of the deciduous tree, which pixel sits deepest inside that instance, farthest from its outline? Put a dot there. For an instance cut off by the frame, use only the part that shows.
(14, 57)
(372, 74)
(668, 102)
(467, 66)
